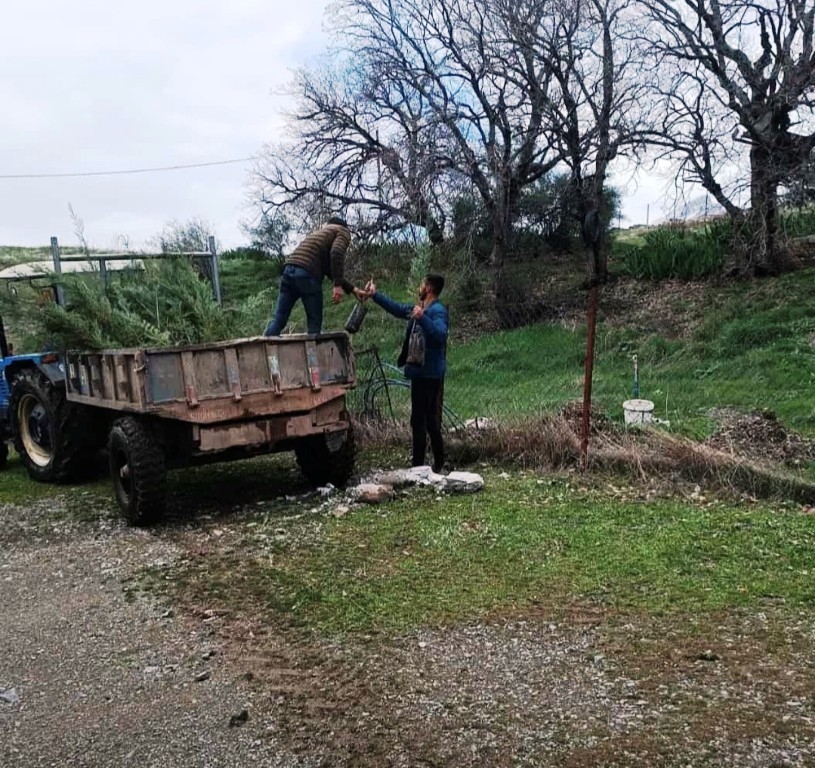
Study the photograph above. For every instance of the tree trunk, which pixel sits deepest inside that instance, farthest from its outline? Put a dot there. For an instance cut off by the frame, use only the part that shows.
(760, 250)
(505, 299)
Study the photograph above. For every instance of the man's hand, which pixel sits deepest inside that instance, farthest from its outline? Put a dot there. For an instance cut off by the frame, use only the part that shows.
(370, 288)
(361, 294)
(337, 294)
(417, 312)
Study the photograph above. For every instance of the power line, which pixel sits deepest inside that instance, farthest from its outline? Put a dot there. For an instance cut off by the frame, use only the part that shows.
(123, 172)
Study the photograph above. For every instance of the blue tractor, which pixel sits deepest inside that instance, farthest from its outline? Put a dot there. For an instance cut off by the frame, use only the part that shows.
(52, 436)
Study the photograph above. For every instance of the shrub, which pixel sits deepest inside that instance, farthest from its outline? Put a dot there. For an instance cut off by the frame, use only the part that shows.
(798, 222)
(678, 252)
(166, 303)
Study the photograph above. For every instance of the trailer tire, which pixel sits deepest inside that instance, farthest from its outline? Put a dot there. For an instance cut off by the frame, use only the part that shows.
(137, 470)
(321, 465)
(50, 434)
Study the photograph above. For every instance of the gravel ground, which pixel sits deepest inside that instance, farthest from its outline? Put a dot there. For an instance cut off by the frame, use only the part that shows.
(94, 672)
(97, 677)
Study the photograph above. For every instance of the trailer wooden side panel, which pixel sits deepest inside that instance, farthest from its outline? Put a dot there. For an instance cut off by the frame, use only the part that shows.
(241, 379)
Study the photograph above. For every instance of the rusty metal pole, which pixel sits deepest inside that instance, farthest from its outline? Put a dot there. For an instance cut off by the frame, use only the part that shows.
(585, 424)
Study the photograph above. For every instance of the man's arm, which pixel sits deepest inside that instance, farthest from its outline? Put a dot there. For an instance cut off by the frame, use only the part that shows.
(392, 307)
(434, 324)
(342, 239)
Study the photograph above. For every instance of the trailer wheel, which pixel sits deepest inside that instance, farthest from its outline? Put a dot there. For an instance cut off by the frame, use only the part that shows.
(137, 470)
(50, 434)
(327, 458)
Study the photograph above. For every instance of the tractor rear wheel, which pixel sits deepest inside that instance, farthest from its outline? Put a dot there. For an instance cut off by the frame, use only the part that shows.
(50, 434)
(327, 458)
(137, 470)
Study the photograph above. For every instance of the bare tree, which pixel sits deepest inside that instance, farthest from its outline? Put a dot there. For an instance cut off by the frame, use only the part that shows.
(268, 232)
(363, 143)
(191, 236)
(740, 73)
(600, 108)
(487, 92)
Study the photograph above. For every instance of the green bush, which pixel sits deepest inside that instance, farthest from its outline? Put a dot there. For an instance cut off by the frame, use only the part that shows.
(798, 222)
(164, 304)
(678, 252)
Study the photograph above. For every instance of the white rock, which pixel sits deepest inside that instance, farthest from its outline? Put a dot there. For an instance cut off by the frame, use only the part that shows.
(463, 482)
(479, 422)
(398, 478)
(373, 493)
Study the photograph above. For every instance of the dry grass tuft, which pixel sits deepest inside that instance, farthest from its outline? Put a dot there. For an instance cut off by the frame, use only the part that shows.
(552, 442)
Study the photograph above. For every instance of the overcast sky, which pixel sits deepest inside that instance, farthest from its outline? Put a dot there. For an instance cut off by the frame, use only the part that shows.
(95, 85)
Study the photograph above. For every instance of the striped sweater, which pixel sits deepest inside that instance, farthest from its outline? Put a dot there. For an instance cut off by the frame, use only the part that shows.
(322, 254)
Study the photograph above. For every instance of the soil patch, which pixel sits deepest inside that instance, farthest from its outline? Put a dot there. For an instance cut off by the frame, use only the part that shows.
(759, 436)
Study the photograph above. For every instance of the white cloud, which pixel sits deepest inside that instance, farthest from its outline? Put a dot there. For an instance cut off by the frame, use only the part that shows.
(91, 86)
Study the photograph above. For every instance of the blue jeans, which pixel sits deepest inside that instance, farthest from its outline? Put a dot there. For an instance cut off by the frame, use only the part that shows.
(297, 283)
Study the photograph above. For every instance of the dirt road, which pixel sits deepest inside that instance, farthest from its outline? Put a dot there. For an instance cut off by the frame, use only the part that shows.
(95, 672)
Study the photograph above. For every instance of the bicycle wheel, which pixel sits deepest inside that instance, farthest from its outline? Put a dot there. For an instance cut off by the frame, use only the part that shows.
(389, 400)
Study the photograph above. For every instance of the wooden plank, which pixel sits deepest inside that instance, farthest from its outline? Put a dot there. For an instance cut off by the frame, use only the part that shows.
(210, 373)
(84, 377)
(293, 366)
(313, 365)
(332, 362)
(292, 339)
(108, 385)
(190, 384)
(95, 366)
(166, 377)
(141, 386)
(121, 376)
(233, 372)
(254, 368)
(224, 409)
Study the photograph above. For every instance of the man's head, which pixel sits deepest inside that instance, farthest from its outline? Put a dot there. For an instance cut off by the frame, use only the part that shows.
(432, 285)
(337, 220)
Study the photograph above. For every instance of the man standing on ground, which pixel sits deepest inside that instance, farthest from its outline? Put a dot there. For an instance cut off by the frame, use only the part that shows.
(321, 254)
(425, 362)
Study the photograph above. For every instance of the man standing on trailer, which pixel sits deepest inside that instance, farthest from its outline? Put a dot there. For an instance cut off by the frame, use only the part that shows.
(321, 254)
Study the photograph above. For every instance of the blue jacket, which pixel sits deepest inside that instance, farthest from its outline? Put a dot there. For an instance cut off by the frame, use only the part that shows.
(434, 327)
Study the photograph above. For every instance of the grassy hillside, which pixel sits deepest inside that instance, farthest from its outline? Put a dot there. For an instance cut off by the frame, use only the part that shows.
(701, 346)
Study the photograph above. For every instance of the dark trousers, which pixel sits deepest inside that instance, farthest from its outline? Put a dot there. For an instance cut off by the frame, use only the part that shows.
(426, 397)
(295, 284)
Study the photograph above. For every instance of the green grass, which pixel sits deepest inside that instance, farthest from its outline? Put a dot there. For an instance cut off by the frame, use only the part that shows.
(751, 348)
(524, 541)
(17, 488)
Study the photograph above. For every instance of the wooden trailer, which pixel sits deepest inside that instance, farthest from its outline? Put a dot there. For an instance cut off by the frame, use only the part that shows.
(172, 407)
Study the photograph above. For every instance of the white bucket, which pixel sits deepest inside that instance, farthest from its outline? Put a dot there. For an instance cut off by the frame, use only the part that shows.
(638, 411)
